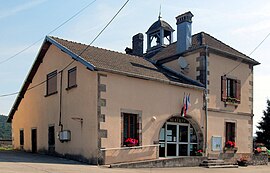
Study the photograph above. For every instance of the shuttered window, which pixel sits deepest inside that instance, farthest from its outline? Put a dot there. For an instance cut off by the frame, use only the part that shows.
(72, 77)
(52, 83)
(230, 90)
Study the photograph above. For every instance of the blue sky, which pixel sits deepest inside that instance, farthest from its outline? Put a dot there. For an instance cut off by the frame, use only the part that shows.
(241, 24)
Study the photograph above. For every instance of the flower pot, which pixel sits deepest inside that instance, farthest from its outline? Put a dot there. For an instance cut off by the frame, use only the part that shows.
(242, 163)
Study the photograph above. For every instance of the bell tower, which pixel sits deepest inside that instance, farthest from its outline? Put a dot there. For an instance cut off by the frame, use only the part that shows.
(159, 35)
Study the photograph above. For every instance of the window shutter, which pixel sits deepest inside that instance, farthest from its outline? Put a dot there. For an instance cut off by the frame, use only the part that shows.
(223, 88)
(238, 90)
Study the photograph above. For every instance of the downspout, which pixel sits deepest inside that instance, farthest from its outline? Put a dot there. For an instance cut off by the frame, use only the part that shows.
(206, 100)
(60, 105)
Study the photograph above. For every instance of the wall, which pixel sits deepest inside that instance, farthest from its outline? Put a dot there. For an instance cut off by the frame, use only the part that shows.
(39, 111)
(152, 99)
(219, 113)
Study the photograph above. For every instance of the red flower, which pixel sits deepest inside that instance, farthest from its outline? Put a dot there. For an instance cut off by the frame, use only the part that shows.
(230, 144)
(131, 141)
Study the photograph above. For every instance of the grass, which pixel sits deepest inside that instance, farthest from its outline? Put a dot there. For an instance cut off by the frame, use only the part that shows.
(6, 148)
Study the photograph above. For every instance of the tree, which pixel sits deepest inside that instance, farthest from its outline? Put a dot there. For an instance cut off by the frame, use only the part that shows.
(5, 128)
(263, 135)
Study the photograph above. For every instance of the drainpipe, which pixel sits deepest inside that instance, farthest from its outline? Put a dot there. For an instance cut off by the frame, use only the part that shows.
(206, 100)
(60, 104)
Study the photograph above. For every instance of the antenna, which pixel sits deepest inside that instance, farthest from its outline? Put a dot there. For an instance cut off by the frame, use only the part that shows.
(182, 63)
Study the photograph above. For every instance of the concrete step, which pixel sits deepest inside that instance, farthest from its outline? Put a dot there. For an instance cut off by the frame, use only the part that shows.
(223, 166)
(216, 164)
(213, 161)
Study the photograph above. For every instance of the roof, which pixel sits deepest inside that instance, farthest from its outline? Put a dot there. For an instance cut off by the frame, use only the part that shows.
(200, 40)
(98, 59)
(159, 24)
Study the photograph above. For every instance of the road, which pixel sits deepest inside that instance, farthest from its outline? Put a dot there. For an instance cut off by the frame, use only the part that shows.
(16, 162)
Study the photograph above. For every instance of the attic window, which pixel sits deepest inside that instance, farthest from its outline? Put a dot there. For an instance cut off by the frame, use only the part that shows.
(51, 83)
(230, 90)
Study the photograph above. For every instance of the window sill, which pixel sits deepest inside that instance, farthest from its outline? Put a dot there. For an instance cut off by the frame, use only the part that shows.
(47, 95)
(69, 88)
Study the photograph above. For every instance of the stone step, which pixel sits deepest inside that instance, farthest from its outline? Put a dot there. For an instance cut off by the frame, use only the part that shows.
(216, 164)
(213, 161)
(223, 166)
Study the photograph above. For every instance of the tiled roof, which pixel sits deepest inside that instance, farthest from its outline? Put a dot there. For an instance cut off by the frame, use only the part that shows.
(108, 60)
(202, 39)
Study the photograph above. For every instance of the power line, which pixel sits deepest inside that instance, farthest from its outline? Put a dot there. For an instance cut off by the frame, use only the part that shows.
(15, 93)
(249, 54)
(31, 45)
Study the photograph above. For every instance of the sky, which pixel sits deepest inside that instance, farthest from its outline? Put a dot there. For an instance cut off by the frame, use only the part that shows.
(242, 24)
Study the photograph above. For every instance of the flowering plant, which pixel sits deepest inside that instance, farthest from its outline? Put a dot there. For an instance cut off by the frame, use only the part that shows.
(199, 152)
(230, 144)
(131, 141)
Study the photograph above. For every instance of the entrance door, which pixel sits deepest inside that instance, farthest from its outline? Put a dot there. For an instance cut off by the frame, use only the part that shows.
(177, 139)
(51, 140)
(34, 140)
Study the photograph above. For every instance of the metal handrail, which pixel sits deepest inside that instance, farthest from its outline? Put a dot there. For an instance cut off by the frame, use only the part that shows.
(124, 148)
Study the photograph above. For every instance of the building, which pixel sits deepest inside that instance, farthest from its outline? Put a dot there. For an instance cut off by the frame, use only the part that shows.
(91, 99)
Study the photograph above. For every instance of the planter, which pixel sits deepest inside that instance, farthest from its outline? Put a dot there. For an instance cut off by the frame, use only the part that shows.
(242, 163)
(230, 150)
(130, 145)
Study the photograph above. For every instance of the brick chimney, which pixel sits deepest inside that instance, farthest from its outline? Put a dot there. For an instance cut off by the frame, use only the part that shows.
(137, 44)
(184, 38)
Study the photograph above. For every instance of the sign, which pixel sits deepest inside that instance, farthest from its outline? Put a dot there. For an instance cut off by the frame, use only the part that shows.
(216, 143)
(178, 120)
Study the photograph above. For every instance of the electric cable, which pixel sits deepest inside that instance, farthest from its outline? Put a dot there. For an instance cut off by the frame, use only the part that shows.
(15, 93)
(249, 54)
(62, 24)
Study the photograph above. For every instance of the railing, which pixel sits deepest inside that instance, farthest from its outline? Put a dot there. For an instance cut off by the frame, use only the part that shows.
(125, 148)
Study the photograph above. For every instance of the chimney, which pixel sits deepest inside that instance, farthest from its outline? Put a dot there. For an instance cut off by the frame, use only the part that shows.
(137, 44)
(184, 38)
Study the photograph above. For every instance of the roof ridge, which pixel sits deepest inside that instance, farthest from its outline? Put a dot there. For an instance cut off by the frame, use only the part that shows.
(114, 51)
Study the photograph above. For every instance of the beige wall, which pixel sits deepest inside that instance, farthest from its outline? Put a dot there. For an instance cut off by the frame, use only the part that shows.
(151, 98)
(220, 113)
(38, 111)
(218, 66)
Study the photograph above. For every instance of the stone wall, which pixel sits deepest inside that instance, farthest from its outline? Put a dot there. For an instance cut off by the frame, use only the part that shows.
(259, 159)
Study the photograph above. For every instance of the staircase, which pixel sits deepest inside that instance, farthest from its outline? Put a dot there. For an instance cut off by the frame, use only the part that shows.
(217, 163)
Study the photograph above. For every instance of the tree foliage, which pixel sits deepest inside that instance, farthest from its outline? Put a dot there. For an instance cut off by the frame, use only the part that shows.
(5, 128)
(263, 135)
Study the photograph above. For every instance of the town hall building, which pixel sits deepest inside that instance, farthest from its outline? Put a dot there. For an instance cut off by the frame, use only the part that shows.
(176, 99)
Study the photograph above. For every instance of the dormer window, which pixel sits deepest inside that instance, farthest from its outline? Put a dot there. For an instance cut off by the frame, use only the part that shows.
(230, 90)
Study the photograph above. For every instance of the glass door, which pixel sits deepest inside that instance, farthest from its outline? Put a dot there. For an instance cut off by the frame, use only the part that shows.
(171, 139)
(183, 140)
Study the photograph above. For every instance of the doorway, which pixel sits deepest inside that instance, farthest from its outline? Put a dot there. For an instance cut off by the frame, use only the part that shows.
(177, 138)
(34, 140)
(51, 140)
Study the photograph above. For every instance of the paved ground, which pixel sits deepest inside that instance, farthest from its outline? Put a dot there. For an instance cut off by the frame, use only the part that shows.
(16, 162)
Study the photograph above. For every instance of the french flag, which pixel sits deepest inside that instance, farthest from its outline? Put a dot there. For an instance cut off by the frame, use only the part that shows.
(186, 105)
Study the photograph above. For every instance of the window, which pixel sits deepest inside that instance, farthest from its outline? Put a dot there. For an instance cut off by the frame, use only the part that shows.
(230, 90)
(130, 127)
(230, 131)
(72, 77)
(21, 137)
(52, 83)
